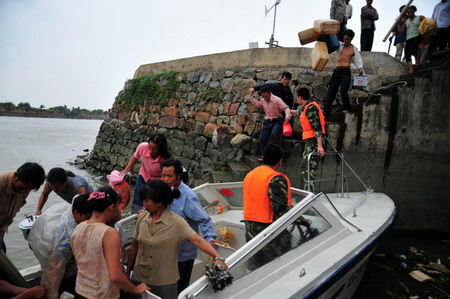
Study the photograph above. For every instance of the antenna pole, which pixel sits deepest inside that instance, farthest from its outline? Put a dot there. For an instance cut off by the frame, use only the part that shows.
(273, 31)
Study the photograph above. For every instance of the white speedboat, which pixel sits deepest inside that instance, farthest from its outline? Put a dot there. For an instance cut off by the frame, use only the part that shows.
(325, 260)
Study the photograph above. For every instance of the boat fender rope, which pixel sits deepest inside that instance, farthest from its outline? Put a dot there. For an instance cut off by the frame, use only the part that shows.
(219, 278)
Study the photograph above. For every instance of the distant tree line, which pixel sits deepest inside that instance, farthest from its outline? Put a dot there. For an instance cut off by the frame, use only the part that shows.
(64, 110)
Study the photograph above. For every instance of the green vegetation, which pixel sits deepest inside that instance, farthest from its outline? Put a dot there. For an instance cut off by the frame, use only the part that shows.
(211, 94)
(58, 110)
(151, 90)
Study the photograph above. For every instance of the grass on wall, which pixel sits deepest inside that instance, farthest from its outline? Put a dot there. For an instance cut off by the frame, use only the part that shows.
(151, 89)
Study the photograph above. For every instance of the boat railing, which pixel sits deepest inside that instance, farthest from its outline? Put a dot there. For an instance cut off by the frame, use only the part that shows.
(340, 176)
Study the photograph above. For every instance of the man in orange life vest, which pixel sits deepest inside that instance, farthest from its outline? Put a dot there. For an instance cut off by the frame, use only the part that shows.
(267, 196)
(313, 124)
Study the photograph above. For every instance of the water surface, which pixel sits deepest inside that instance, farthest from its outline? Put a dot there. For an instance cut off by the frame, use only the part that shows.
(51, 142)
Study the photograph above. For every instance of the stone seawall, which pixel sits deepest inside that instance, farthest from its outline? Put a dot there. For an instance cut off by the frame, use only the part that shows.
(394, 141)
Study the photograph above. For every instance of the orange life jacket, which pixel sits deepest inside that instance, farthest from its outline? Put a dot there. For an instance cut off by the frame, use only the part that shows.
(257, 204)
(308, 131)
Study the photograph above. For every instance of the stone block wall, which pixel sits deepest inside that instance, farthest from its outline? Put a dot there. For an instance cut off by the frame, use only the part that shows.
(208, 123)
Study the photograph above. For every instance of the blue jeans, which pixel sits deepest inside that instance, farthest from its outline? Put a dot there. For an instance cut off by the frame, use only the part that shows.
(137, 200)
(271, 130)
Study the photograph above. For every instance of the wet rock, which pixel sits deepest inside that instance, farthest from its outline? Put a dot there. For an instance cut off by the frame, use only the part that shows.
(240, 140)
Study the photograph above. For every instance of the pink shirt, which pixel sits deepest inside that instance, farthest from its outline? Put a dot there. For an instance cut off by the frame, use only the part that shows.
(150, 168)
(273, 107)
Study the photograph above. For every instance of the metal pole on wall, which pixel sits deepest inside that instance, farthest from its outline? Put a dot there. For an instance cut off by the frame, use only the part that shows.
(396, 20)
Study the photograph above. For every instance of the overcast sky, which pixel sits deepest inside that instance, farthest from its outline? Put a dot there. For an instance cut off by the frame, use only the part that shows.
(80, 52)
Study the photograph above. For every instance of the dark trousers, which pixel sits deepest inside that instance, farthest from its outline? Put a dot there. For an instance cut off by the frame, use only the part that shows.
(185, 271)
(441, 40)
(138, 203)
(411, 47)
(339, 80)
(367, 39)
(271, 130)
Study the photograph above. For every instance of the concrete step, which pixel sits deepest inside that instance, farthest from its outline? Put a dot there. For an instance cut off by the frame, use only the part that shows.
(238, 171)
(252, 161)
(221, 177)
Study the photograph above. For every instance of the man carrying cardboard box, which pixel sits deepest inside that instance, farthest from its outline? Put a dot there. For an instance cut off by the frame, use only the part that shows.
(341, 78)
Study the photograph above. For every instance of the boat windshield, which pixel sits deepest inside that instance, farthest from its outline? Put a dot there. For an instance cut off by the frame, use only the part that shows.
(305, 228)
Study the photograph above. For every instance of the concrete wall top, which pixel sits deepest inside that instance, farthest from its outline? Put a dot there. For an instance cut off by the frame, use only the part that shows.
(381, 64)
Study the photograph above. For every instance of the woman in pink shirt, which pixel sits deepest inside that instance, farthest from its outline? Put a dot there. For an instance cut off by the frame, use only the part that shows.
(151, 154)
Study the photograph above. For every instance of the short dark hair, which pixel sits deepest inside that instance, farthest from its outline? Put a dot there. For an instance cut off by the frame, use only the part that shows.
(159, 191)
(81, 204)
(401, 8)
(100, 204)
(304, 93)
(161, 141)
(272, 154)
(58, 175)
(350, 33)
(176, 164)
(287, 75)
(264, 89)
(31, 173)
(413, 8)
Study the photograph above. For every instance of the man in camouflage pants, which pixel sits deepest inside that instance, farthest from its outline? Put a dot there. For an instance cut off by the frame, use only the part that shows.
(267, 197)
(313, 125)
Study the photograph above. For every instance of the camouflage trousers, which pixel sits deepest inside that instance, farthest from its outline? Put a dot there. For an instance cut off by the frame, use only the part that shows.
(275, 248)
(310, 146)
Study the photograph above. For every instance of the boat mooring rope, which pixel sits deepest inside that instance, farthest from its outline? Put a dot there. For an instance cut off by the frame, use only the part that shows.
(376, 90)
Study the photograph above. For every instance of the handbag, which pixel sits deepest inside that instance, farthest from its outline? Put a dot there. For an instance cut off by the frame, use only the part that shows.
(287, 129)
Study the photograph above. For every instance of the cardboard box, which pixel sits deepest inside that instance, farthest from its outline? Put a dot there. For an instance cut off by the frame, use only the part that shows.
(327, 26)
(308, 36)
(319, 56)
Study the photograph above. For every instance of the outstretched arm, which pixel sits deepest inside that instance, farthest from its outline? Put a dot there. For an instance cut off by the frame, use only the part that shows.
(130, 165)
(207, 248)
(111, 251)
(43, 198)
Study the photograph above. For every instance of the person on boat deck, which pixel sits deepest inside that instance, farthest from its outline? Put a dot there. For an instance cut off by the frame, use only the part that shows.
(96, 248)
(15, 292)
(312, 121)
(50, 241)
(187, 206)
(14, 189)
(273, 107)
(158, 235)
(151, 154)
(267, 196)
(65, 184)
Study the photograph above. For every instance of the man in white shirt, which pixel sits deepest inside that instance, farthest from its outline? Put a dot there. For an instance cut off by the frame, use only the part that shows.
(340, 80)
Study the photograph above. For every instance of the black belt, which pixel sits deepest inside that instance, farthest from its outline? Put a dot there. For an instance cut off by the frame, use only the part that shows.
(342, 67)
(274, 119)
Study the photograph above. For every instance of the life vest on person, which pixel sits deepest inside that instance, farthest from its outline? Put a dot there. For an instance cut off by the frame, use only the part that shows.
(308, 131)
(257, 204)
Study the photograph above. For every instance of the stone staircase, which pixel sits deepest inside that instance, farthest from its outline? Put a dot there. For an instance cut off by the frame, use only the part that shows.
(293, 146)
